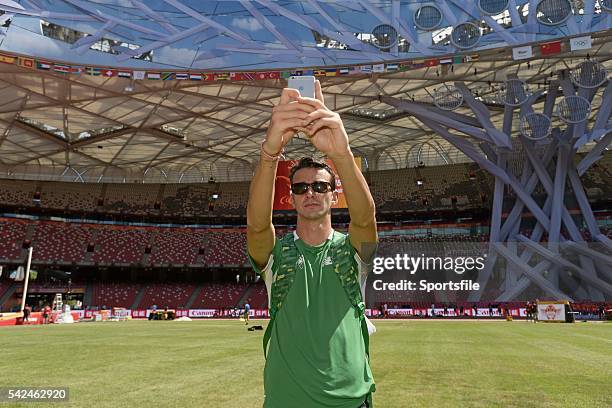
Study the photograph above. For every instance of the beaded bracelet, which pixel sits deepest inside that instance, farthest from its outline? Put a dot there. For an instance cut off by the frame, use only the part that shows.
(268, 157)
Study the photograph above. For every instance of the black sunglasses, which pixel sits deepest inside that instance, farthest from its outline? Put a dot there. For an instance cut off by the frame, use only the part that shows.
(317, 187)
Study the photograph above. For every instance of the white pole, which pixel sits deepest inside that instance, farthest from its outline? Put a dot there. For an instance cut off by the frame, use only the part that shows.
(27, 279)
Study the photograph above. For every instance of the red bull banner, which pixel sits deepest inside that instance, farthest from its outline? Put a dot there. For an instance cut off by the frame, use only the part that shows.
(282, 187)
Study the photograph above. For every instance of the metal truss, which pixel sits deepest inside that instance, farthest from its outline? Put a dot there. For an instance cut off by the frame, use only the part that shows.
(551, 254)
(241, 35)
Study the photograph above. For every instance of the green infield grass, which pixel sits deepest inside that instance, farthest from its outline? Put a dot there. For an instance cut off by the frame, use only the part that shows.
(216, 364)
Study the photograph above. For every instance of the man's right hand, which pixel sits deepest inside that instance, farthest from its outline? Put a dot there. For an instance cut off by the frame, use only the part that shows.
(286, 117)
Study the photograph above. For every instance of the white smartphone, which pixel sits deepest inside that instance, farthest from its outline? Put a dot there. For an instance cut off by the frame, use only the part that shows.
(304, 84)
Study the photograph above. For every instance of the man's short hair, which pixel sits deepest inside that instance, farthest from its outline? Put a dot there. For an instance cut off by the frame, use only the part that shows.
(309, 162)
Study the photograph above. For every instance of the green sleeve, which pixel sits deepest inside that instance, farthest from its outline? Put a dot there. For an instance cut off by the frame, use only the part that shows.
(273, 254)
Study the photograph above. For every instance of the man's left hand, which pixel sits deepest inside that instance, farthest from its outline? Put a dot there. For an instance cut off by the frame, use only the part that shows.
(324, 127)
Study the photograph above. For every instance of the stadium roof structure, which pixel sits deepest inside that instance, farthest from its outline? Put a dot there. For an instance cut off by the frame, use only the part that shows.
(179, 91)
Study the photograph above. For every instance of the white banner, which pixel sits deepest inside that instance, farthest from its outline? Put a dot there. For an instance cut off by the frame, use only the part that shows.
(201, 312)
(551, 312)
(581, 43)
(520, 53)
(522, 312)
(122, 312)
(400, 312)
(481, 311)
(139, 314)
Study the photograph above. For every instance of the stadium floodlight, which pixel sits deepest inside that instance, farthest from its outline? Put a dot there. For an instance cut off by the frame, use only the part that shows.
(384, 36)
(573, 109)
(514, 93)
(492, 7)
(535, 126)
(589, 74)
(553, 12)
(447, 97)
(428, 17)
(466, 35)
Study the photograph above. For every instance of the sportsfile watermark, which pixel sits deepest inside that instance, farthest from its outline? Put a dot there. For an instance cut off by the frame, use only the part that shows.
(29, 394)
(455, 271)
(412, 264)
(401, 270)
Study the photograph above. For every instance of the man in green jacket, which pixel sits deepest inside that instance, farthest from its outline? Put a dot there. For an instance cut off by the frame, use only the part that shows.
(318, 347)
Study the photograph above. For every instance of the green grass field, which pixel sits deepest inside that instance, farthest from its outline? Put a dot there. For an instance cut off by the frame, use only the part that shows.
(219, 364)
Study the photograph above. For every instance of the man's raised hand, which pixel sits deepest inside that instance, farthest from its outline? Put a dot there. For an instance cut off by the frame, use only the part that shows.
(324, 127)
(286, 117)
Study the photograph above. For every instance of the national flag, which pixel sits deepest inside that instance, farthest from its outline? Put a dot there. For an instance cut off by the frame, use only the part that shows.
(221, 76)
(392, 67)
(520, 53)
(181, 76)
(331, 72)
(405, 66)
(43, 65)
(7, 59)
(365, 68)
(319, 72)
(93, 71)
(285, 74)
(153, 75)
(550, 48)
(235, 76)
(138, 74)
(356, 70)
(195, 77)
(77, 70)
(581, 43)
(167, 76)
(208, 77)
(62, 69)
(249, 76)
(343, 71)
(124, 74)
(471, 58)
(109, 72)
(26, 62)
(418, 63)
(378, 68)
(457, 59)
(445, 61)
(299, 72)
(432, 62)
(274, 75)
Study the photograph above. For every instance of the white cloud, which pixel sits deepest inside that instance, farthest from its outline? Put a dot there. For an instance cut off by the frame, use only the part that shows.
(247, 24)
(173, 56)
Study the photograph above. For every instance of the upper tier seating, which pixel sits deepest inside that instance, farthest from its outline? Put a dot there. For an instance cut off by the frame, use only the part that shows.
(12, 234)
(63, 242)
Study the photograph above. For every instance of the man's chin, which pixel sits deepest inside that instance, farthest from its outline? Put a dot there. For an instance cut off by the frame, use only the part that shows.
(314, 214)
